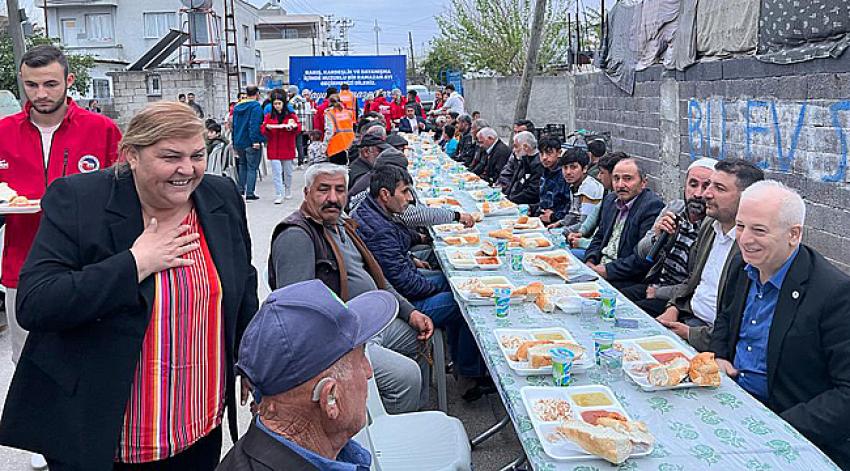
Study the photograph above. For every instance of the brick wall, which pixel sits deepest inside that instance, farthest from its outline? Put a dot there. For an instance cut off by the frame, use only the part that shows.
(131, 91)
(793, 121)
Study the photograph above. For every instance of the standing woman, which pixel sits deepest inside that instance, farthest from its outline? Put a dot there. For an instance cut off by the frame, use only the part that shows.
(136, 293)
(281, 128)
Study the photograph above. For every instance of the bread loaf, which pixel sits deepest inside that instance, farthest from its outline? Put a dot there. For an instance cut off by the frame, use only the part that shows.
(603, 442)
(704, 370)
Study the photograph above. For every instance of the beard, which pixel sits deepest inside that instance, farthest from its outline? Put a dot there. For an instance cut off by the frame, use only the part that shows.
(50, 107)
(696, 208)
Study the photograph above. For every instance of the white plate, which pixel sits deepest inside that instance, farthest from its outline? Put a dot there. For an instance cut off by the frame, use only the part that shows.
(475, 300)
(532, 270)
(469, 260)
(569, 304)
(476, 240)
(563, 449)
(590, 287)
(497, 211)
(535, 223)
(33, 207)
(647, 358)
(523, 368)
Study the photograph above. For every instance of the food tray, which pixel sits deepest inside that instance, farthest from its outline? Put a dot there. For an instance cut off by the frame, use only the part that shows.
(591, 290)
(645, 348)
(532, 270)
(482, 195)
(535, 225)
(536, 236)
(502, 208)
(457, 240)
(560, 448)
(523, 368)
(447, 230)
(34, 206)
(492, 281)
(469, 259)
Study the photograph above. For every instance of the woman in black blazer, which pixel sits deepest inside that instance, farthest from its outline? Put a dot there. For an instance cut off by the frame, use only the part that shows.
(136, 293)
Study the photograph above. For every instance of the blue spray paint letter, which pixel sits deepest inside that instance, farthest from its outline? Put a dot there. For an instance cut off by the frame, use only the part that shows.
(841, 171)
(785, 161)
(695, 128)
(752, 129)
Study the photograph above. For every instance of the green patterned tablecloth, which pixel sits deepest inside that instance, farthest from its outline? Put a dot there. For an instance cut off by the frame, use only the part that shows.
(697, 428)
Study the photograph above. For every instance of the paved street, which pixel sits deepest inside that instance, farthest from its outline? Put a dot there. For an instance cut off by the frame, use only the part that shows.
(263, 215)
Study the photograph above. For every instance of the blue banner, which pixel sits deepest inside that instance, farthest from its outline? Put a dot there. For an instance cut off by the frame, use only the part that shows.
(455, 77)
(363, 74)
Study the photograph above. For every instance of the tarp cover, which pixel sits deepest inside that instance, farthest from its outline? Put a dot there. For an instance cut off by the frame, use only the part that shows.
(621, 58)
(726, 27)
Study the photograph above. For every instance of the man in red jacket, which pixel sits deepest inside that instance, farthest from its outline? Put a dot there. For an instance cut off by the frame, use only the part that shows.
(51, 138)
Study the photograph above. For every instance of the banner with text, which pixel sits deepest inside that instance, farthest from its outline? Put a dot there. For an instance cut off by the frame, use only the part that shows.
(363, 74)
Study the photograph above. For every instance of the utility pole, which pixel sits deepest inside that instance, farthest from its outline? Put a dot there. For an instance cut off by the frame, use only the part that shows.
(412, 60)
(377, 30)
(47, 31)
(530, 60)
(17, 35)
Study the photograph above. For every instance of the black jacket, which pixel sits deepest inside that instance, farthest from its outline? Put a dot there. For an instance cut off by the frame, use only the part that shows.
(87, 314)
(495, 161)
(258, 451)
(358, 168)
(808, 348)
(628, 266)
(404, 124)
(466, 148)
(524, 187)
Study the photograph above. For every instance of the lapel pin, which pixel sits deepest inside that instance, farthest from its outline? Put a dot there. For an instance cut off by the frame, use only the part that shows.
(795, 294)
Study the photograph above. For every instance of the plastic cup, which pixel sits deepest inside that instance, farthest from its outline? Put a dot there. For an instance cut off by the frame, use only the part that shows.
(523, 209)
(501, 247)
(516, 259)
(608, 310)
(602, 341)
(612, 363)
(502, 297)
(562, 366)
(588, 311)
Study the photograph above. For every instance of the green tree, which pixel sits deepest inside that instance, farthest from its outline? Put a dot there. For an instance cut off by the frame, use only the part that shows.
(441, 57)
(79, 64)
(492, 35)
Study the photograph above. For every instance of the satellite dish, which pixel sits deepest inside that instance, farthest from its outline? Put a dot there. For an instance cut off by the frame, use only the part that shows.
(196, 4)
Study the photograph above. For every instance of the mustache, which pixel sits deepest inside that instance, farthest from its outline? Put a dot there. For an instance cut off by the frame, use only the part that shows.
(331, 205)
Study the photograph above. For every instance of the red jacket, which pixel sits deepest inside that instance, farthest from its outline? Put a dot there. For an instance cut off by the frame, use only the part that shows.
(319, 118)
(397, 109)
(280, 142)
(381, 105)
(84, 142)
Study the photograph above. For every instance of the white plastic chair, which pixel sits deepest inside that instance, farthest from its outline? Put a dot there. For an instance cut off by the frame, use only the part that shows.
(420, 441)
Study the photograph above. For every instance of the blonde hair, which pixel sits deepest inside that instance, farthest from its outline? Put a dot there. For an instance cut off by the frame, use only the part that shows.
(158, 121)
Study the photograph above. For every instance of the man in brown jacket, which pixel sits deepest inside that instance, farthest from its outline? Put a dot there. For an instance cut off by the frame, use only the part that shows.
(692, 310)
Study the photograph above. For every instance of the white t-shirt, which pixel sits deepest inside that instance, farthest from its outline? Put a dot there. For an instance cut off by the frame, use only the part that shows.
(454, 103)
(704, 300)
(46, 140)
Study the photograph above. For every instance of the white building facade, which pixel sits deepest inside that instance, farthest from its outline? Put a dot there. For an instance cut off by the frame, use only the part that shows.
(118, 32)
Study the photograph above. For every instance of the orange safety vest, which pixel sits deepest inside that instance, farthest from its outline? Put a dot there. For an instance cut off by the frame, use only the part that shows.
(343, 134)
(348, 100)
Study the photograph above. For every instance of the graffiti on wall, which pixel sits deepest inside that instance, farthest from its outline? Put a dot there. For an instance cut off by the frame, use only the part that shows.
(784, 136)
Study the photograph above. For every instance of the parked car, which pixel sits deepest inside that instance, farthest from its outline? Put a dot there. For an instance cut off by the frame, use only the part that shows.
(425, 96)
(8, 103)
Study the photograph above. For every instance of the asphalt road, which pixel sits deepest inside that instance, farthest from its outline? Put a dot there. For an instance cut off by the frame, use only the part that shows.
(263, 215)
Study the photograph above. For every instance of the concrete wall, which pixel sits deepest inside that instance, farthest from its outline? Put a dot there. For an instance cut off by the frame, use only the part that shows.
(793, 121)
(132, 93)
(550, 101)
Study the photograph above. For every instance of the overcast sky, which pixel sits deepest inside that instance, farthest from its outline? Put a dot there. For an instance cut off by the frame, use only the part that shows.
(395, 18)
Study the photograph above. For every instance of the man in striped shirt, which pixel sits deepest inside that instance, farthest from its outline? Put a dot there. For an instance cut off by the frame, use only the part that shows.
(681, 220)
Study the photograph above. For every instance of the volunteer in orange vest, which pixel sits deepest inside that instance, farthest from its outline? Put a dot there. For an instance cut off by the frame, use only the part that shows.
(51, 138)
(339, 127)
(348, 100)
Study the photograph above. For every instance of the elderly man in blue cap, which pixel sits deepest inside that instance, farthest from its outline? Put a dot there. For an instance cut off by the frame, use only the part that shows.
(304, 353)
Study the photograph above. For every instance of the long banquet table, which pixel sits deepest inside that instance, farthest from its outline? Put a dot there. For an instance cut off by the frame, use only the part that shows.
(695, 428)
